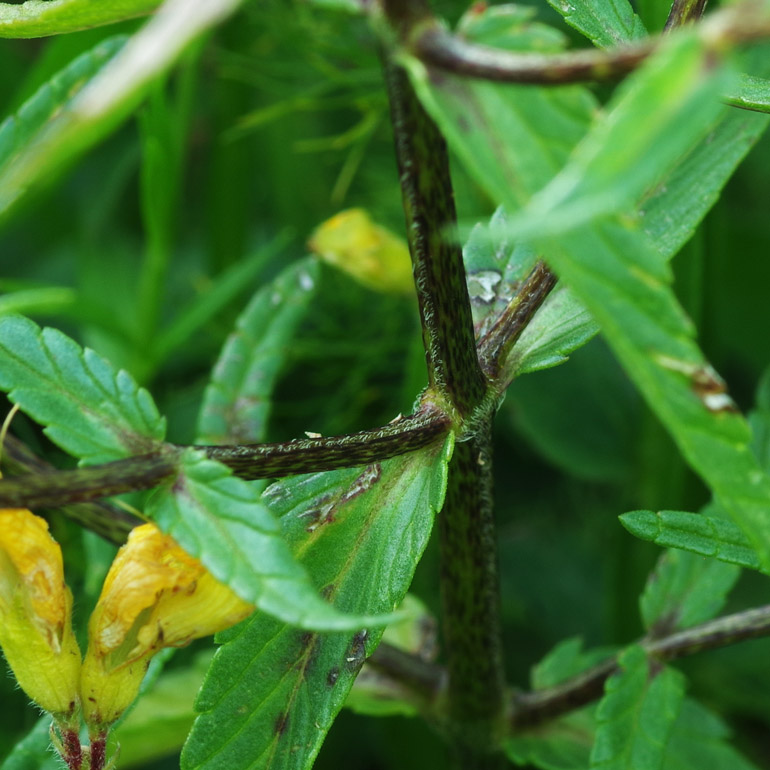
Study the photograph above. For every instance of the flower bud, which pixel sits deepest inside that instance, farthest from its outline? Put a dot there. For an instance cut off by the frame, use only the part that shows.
(368, 252)
(35, 613)
(155, 595)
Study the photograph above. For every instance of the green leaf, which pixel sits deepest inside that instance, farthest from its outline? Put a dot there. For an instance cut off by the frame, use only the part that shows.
(110, 96)
(696, 533)
(33, 752)
(511, 27)
(237, 401)
(657, 115)
(673, 211)
(698, 742)
(636, 714)
(605, 23)
(219, 519)
(683, 590)
(750, 93)
(564, 743)
(87, 408)
(39, 18)
(495, 272)
(273, 691)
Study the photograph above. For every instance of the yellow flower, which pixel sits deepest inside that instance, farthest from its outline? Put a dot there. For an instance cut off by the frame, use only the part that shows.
(35, 613)
(371, 254)
(155, 595)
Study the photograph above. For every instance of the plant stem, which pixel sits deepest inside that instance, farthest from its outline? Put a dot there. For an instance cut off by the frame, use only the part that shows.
(497, 343)
(442, 293)
(684, 12)
(248, 461)
(533, 708)
(429, 41)
(471, 605)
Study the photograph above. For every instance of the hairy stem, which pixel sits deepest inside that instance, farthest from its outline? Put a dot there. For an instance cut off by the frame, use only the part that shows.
(684, 12)
(249, 461)
(497, 343)
(442, 293)
(533, 708)
(470, 596)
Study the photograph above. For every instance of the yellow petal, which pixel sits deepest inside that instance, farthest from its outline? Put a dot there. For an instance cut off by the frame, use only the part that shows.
(155, 595)
(35, 610)
(368, 252)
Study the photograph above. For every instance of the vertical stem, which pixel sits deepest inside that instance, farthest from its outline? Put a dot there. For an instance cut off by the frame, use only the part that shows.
(471, 605)
(450, 348)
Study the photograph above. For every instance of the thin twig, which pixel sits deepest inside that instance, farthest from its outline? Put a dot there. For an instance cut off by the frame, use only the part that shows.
(248, 461)
(496, 345)
(532, 708)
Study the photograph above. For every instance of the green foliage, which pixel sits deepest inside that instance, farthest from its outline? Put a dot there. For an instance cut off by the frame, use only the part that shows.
(635, 717)
(273, 691)
(604, 22)
(694, 532)
(89, 409)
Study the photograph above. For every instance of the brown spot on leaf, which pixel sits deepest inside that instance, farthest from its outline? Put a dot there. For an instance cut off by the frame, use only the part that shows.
(355, 655)
(333, 676)
(281, 723)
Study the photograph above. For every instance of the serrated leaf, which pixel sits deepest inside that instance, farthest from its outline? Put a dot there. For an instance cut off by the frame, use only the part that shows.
(219, 519)
(273, 691)
(237, 401)
(86, 407)
(653, 119)
(636, 714)
(696, 533)
(605, 23)
(33, 752)
(566, 659)
(698, 742)
(108, 97)
(683, 590)
(39, 18)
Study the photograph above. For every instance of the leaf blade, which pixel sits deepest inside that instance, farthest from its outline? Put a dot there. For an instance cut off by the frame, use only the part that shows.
(86, 407)
(278, 689)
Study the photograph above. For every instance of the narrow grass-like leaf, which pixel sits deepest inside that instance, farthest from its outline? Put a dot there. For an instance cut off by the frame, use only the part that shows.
(696, 533)
(750, 93)
(39, 111)
(237, 401)
(605, 23)
(273, 691)
(685, 589)
(39, 18)
(87, 408)
(108, 98)
(636, 714)
(219, 519)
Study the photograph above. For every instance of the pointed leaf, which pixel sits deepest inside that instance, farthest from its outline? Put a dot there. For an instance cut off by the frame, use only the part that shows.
(38, 18)
(219, 519)
(694, 532)
(684, 590)
(86, 407)
(33, 752)
(273, 691)
(237, 401)
(636, 714)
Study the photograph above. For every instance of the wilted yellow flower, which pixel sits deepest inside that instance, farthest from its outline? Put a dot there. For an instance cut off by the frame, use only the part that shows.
(155, 595)
(35, 613)
(368, 252)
